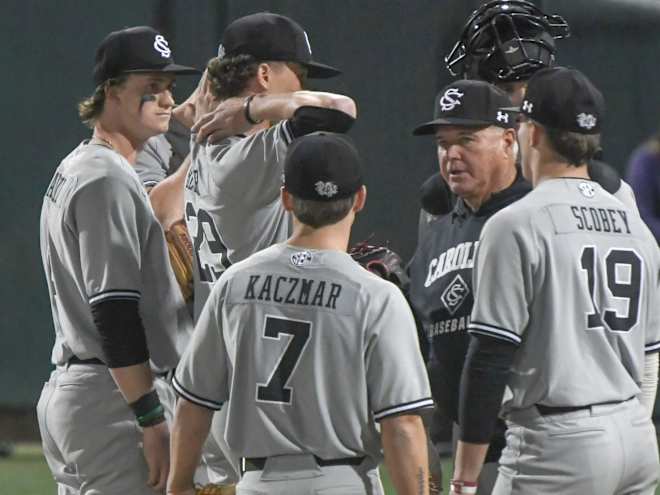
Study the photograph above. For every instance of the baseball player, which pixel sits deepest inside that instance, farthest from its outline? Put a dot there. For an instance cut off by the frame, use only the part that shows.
(476, 144)
(326, 349)
(505, 42)
(115, 309)
(565, 316)
(217, 468)
(232, 202)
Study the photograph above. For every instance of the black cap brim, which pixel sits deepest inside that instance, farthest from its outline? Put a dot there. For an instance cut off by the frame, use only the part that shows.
(170, 69)
(430, 127)
(316, 70)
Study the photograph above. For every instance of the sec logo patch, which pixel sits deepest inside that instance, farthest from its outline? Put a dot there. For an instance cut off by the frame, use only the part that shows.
(301, 258)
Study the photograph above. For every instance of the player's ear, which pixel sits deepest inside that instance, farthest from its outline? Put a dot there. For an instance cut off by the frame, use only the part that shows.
(111, 91)
(264, 76)
(287, 199)
(535, 135)
(360, 199)
(510, 142)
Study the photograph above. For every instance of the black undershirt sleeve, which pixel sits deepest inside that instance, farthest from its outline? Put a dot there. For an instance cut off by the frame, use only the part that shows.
(122, 334)
(484, 377)
(605, 175)
(308, 119)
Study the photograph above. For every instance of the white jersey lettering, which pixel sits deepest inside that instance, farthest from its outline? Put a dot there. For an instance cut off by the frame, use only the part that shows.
(455, 258)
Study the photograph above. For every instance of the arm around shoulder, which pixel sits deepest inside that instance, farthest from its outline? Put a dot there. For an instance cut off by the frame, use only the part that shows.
(283, 106)
(319, 99)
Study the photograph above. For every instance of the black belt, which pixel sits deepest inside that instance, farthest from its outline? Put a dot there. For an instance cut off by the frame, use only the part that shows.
(550, 410)
(77, 360)
(258, 463)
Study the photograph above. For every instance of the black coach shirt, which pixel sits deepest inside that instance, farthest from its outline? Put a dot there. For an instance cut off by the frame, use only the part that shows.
(441, 288)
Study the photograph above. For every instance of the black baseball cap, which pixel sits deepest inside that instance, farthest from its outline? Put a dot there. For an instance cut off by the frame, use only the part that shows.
(564, 99)
(470, 103)
(135, 49)
(322, 166)
(268, 36)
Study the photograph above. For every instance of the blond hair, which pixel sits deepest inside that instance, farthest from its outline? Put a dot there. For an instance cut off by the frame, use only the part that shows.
(91, 107)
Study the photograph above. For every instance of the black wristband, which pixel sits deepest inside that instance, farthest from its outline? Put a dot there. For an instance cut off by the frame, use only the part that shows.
(246, 110)
(148, 410)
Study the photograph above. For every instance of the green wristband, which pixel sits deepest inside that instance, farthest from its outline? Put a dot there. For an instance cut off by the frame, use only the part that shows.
(153, 417)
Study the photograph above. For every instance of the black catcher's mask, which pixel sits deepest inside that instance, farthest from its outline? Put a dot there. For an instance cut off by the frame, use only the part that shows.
(506, 40)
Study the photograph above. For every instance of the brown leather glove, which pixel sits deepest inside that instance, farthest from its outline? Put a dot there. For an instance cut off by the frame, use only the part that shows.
(180, 250)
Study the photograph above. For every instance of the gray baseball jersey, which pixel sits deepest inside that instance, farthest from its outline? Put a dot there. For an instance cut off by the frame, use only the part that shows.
(307, 349)
(626, 195)
(570, 274)
(162, 155)
(232, 202)
(100, 240)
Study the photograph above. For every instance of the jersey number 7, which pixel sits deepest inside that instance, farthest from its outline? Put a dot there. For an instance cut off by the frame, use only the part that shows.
(623, 275)
(275, 389)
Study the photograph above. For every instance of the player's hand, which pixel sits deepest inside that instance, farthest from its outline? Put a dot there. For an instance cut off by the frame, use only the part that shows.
(156, 446)
(228, 119)
(204, 100)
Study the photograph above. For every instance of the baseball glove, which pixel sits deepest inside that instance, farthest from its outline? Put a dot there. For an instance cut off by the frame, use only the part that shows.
(180, 250)
(212, 489)
(382, 261)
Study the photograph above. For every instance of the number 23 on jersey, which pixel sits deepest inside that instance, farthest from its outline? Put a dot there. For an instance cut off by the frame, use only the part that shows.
(210, 251)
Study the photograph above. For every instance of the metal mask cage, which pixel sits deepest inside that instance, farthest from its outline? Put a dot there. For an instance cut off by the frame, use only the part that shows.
(501, 25)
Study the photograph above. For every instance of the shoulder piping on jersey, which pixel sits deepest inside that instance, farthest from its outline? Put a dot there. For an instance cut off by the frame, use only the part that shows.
(287, 133)
(195, 399)
(150, 183)
(652, 347)
(408, 406)
(115, 294)
(494, 331)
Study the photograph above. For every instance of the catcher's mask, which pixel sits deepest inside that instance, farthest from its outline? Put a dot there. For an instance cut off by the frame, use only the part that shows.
(505, 41)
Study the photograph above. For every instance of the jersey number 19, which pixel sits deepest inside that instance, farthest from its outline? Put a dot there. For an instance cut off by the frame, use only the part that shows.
(623, 275)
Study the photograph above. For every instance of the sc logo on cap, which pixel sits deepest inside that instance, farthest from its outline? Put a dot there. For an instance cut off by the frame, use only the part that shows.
(450, 100)
(162, 47)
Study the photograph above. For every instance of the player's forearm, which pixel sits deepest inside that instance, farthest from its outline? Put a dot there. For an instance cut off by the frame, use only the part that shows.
(189, 431)
(185, 112)
(404, 443)
(167, 197)
(469, 460)
(133, 381)
(282, 106)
